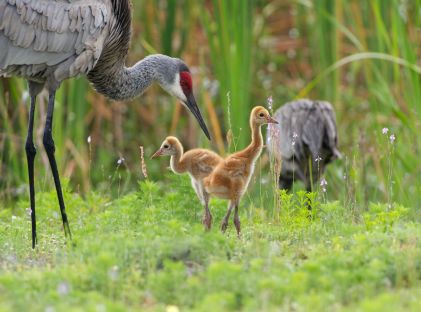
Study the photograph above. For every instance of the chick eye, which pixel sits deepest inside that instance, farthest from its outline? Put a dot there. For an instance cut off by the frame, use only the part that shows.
(166, 146)
(261, 115)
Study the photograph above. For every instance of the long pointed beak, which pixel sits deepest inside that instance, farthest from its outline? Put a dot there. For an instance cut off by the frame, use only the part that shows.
(192, 106)
(272, 120)
(157, 154)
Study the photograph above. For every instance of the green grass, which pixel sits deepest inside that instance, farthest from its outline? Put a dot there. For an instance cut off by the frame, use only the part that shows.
(147, 251)
(363, 56)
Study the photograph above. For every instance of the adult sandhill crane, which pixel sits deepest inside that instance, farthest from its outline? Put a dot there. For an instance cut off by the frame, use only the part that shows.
(230, 178)
(48, 41)
(306, 135)
(197, 162)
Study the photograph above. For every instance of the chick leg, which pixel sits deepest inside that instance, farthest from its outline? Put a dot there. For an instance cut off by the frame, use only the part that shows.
(207, 219)
(237, 222)
(224, 223)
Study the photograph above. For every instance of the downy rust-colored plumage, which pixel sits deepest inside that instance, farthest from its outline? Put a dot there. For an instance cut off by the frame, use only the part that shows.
(231, 177)
(48, 41)
(198, 163)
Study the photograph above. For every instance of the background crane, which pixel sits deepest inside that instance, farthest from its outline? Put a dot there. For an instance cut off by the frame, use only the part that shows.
(47, 41)
(304, 141)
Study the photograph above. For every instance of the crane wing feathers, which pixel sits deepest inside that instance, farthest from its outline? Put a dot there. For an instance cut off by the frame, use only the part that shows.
(48, 32)
(312, 122)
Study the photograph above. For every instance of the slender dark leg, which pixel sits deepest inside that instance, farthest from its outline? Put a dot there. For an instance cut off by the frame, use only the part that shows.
(237, 221)
(30, 156)
(224, 223)
(285, 183)
(50, 149)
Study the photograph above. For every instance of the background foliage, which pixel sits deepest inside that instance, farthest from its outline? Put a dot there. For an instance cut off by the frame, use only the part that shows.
(363, 56)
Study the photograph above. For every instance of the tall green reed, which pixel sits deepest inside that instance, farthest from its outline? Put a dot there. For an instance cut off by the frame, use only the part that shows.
(364, 57)
(228, 26)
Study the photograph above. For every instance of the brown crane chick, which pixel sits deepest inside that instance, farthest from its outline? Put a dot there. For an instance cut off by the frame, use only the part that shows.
(230, 178)
(198, 163)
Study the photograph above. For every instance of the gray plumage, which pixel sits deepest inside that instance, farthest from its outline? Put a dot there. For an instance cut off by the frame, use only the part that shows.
(48, 41)
(306, 130)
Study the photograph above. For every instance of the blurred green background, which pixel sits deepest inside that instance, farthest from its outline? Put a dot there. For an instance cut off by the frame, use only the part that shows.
(362, 56)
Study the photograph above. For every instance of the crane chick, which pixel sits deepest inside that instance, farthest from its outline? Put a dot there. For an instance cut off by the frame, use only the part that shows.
(198, 163)
(306, 136)
(230, 178)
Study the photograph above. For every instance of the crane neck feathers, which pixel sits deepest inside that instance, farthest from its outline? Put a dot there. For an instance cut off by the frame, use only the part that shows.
(255, 147)
(119, 82)
(178, 166)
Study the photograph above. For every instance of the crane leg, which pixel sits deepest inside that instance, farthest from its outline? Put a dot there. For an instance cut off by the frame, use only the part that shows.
(207, 218)
(30, 156)
(237, 222)
(50, 149)
(224, 223)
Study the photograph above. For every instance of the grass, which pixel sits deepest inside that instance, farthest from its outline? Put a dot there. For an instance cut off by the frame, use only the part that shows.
(361, 56)
(147, 251)
(143, 247)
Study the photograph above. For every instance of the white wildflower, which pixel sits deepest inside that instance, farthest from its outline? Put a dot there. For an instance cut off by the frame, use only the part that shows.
(385, 130)
(270, 101)
(89, 140)
(392, 138)
(63, 288)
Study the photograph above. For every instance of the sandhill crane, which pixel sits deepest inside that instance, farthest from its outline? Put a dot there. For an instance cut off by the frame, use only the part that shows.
(306, 136)
(230, 178)
(48, 41)
(197, 162)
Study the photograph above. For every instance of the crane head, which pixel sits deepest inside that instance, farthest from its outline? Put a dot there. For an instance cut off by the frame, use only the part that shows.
(168, 147)
(260, 115)
(181, 87)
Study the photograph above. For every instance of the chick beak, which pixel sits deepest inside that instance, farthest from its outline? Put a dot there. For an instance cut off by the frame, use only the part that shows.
(192, 106)
(272, 120)
(157, 153)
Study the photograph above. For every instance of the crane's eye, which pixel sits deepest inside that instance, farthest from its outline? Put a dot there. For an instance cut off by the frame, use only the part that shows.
(166, 146)
(261, 115)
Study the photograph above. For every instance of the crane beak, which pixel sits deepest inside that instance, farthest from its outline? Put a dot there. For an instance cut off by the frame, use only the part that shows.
(192, 106)
(272, 120)
(157, 154)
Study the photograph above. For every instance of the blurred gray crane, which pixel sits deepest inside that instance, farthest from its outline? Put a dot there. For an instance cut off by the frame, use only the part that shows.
(304, 141)
(48, 41)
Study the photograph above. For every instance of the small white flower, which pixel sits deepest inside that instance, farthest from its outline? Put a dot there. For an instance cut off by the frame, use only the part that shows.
(63, 288)
(172, 308)
(89, 139)
(113, 273)
(385, 130)
(317, 159)
(28, 211)
(270, 101)
(323, 189)
(292, 143)
(294, 135)
(323, 182)
(392, 138)
(120, 161)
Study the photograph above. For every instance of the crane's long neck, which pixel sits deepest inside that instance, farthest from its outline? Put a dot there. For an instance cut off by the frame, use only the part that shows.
(255, 148)
(119, 82)
(177, 166)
